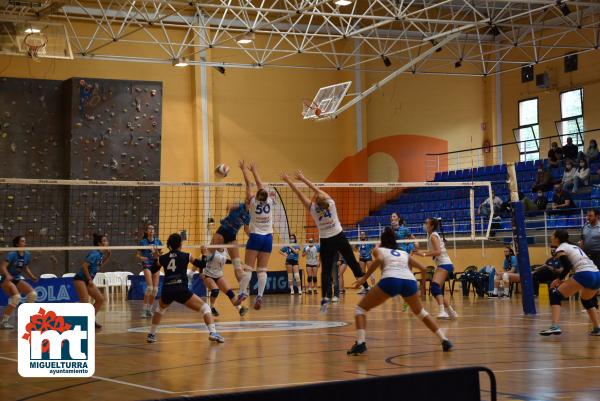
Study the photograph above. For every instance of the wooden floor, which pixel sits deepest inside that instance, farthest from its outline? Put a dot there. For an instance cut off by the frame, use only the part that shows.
(491, 333)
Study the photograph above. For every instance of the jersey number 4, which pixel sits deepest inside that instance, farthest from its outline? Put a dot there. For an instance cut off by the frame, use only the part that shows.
(172, 265)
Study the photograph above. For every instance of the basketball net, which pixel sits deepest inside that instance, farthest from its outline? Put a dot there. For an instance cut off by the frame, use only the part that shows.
(36, 44)
(310, 109)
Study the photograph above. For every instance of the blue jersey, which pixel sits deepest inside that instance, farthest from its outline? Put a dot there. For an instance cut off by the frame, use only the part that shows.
(403, 232)
(291, 256)
(175, 264)
(364, 251)
(94, 260)
(237, 218)
(147, 253)
(16, 262)
(511, 262)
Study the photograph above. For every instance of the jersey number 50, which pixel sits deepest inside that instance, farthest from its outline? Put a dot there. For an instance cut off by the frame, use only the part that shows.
(260, 209)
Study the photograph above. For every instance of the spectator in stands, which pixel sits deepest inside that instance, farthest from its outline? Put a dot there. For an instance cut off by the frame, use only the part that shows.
(591, 153)
(582, 175)
(555, 155)
(590, 236)
(528, 204)
(485, 208)
(541, 201)
(561, 200)
(570, 151)
(543, 179)
(568, 179)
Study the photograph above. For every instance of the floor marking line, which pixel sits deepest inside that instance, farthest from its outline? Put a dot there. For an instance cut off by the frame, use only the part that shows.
(540, 369)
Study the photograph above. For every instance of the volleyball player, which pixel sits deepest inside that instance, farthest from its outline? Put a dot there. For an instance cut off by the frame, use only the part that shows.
(402, 232)
(311, 252)
(175, 288)
(364, 257)
(291, 254)
(237, 217)
(145, 256)
(586, 279)
(437, 250)
(83, 281)
(332, 238)
(396, 279)
(12, 281)
(260, 241)
(338, 278)
(214, 277)
(509, 275)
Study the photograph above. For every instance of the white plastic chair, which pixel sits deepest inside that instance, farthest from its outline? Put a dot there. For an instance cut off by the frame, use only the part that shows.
(100, 282)
(48, 275)
(66, 275)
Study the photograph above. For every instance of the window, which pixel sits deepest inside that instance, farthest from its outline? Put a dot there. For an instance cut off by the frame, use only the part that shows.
(528, 133)
(571, 114)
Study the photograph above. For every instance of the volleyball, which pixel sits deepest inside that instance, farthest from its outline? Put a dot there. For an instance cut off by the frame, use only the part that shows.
(222, 170)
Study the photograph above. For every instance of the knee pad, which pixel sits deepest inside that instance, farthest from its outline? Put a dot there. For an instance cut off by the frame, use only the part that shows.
(237, 263)
(14, 300)
(505, 277)
(160, 310)
(297, 276)
(154, 291)
(435, 289)
(230, 294)
(149, 290)
(590, 303)
(358, 311)
(205, 309)
(555, 297)
(423, 314)
(214, 293)
(31, 297)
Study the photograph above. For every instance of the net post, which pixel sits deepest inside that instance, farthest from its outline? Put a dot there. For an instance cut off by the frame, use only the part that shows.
(520, 242)
(472, 211)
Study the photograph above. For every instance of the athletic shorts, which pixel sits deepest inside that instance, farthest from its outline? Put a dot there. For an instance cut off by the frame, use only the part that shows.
(145, 266)
(590, 280)
(78, 277)
(228, 234)
(312, 266)
(291, 262)
(448, 268)
(260, 243)
(215, 274)
(398, 286)
(177, 293)
(16, 279)
(365, 260)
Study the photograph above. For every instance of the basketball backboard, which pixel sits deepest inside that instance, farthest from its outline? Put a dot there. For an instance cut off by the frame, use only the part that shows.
(13, 33)
(326, 101)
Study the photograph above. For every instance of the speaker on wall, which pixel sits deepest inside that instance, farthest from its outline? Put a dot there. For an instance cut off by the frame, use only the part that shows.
(527, 73)
(542, 80)
(570, 62)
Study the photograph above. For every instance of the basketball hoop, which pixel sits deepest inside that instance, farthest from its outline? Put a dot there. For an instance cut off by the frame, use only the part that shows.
(35, 43)
(310, 109)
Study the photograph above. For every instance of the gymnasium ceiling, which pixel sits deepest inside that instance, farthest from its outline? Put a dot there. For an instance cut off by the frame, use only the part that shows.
(487, 36)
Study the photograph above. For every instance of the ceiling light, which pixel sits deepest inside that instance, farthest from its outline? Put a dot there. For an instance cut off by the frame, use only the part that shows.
(32, 30)
(386, 60)
(180, 62)
(343, 2)
(563, 7)
(246, 39)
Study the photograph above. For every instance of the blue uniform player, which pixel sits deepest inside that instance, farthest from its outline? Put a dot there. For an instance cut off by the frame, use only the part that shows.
(365, 258)
(175, 287)
(12, 281)
(291, 254)
(83, 281)
(509, 275)
(311, 252)
(402, 232)
(147, 258)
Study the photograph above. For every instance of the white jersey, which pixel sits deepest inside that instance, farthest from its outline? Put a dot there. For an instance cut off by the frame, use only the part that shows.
(312, 255)
(214, 264)
(395, 264)
(261, 216)
(326, 219)
(578, 258)
(442, 258)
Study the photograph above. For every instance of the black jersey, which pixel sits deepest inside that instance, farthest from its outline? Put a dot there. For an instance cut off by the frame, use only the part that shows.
(175, 264)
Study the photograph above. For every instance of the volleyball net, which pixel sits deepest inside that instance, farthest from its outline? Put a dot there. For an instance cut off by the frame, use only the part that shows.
(63, 215)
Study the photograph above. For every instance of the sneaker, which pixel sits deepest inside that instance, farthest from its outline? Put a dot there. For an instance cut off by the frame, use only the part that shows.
(241, 298)
(216, 337)
(452, 314)
(258, 302)
(151, 338)
(404, 307)
(324, 305)
(98, 325)
(243, 310)
(6, 326)
(554, 329)
(299, 291)
(335, 299)
(292, 290)
(446, 345)
(214, 312)
(144, 314)
(443, 315)
(492, 295)
(357, 349)
(362, 291)
(595, 331)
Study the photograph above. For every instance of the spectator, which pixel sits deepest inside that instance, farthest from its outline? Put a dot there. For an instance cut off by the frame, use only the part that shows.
(543, 179)
(509, 275)
(568, 179)
(541, 201)
(590, 236)
(592, 152)
(561, 200)
(570, 151)
(555, 155)
(582, 175)
(485, 209)
(528, 204)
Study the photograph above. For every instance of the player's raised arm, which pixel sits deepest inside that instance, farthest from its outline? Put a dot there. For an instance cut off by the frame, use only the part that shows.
(303, 198)
(247, 181)
(257, 180)
(300, 177)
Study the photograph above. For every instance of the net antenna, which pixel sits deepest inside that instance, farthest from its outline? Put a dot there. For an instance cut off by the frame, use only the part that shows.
(326, 101)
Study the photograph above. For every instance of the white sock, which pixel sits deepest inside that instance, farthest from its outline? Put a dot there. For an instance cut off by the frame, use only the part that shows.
(441, 335)
(262, 282)
(245, 281)
(238, 307)
(211, 328)
(495, 291)
(506, 289)
(153, 329)
(442, 309)
(360, 336)
(450, 309)
(5, 318)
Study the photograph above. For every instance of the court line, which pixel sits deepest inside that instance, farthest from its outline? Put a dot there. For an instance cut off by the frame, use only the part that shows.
(540, 369)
